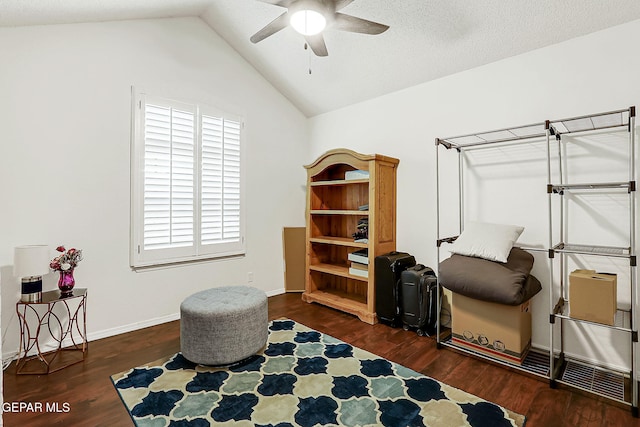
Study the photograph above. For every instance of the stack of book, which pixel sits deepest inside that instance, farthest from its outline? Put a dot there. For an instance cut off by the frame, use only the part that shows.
(362, 231)
(359, 263)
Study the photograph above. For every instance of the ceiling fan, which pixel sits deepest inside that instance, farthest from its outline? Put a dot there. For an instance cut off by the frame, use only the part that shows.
(310, 17)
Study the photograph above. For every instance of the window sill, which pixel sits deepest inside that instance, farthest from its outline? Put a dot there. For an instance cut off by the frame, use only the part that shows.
(162, 265)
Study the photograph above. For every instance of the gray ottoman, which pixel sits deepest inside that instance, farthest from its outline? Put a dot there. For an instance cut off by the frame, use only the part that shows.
(221, 326)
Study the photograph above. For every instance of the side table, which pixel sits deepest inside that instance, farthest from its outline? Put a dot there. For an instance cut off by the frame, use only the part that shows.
(53, 320)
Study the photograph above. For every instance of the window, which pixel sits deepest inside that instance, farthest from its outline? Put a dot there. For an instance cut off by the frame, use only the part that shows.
(187, 201)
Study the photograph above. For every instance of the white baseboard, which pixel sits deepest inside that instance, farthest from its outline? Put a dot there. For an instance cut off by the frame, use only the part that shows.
(132, 327)
(106, 333)
(275, 292)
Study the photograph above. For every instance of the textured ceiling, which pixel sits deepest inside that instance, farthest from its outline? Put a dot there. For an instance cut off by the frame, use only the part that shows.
(428, 39)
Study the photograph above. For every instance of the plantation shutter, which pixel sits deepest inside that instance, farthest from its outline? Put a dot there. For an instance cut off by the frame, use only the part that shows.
(221, 155)
(186, 183)
(168, 179)
(231, 181)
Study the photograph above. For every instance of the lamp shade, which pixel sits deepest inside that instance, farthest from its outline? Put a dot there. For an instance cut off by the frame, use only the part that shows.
(31, 260)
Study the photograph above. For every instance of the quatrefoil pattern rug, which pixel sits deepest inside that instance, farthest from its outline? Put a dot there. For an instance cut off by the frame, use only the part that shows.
(302, 378)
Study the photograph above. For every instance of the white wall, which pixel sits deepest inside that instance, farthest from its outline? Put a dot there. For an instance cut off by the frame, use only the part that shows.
(591, 74)
(65, 114)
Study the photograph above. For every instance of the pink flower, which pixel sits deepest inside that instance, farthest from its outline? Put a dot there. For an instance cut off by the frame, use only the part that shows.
(66, 260)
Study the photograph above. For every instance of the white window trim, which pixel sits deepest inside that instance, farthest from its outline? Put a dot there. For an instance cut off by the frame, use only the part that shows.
(139, 258)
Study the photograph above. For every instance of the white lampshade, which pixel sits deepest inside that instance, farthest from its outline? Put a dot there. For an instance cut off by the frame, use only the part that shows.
(31, 260)
(308, 22)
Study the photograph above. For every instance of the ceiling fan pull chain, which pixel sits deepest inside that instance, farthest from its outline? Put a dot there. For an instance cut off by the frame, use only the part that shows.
(309, 56)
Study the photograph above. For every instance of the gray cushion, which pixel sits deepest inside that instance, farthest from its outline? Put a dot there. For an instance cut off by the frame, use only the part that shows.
(505, 283)
(223, 325)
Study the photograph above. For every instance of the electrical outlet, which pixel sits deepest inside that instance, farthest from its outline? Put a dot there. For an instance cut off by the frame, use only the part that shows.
(250, 277)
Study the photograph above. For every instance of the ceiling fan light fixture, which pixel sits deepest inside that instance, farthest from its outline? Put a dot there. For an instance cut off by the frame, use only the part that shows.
(308, 22)
(311, 18)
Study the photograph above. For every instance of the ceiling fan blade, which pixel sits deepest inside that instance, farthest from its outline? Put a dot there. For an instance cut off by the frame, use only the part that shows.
(271, 28)
(357, 25)
(317, 44)
(341, 4)
(283, 3)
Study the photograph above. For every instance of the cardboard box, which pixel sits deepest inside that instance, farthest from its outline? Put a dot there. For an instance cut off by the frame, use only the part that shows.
(593, 296)
(498, 330)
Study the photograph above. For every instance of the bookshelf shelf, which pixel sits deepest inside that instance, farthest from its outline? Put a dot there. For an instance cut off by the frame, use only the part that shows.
(340, 241)
(339, 212)
(337, 270)
(336, 182)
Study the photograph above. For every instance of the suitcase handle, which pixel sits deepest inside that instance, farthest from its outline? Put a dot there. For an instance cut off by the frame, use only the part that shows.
(420, 267)
(397, 296)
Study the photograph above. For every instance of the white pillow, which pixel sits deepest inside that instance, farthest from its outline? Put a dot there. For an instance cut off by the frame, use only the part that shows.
(485, 240)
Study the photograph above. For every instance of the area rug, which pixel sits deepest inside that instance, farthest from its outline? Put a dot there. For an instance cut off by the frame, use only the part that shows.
(302, 378)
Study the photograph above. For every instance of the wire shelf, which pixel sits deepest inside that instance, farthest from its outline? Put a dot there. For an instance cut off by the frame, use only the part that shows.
(608, 120)
(590, 378)
(536, 362)
(613, 251)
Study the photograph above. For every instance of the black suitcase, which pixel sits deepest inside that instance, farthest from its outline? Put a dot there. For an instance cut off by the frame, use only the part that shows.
(387, 270)
(418, 290)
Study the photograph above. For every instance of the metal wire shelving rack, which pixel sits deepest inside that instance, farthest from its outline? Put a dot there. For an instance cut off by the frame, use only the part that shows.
(560, 368)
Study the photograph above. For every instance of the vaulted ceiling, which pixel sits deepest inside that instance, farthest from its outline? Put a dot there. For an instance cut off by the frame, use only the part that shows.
(427, 39)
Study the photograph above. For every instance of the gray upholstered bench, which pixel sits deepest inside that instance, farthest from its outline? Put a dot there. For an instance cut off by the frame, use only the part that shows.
(221, 326)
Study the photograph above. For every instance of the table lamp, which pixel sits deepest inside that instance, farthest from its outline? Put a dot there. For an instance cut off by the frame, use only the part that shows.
(30, 263)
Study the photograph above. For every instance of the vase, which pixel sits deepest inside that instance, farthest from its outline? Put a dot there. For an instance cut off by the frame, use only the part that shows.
(66, 282)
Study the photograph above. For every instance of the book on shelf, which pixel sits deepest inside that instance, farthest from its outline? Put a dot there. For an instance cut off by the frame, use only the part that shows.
(363, 207)
(361, 256)
(356, 174)
(359, 266)
(362, 231)
(358, 272)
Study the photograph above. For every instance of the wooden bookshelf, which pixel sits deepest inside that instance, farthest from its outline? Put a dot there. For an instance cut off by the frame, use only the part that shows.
(334, 208)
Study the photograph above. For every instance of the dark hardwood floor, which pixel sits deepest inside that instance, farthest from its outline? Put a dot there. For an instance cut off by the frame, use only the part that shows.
(93, 401)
